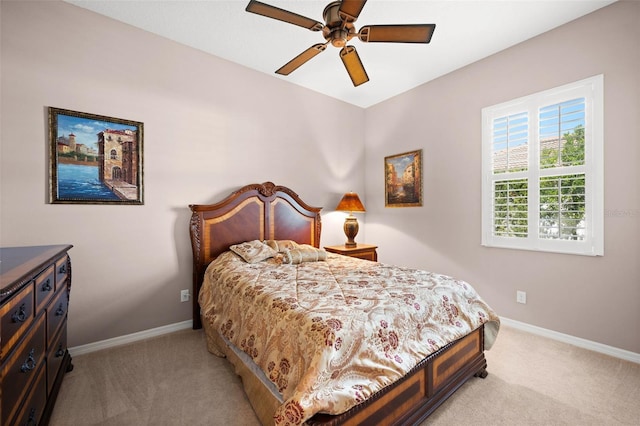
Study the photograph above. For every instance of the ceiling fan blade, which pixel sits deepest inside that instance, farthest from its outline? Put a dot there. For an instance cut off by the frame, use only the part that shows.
(353, 64)
(411, 33)
(269, 11)
(350, 9)
(293, 64)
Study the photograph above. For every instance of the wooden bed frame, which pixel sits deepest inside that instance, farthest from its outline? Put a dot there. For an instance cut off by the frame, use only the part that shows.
(267, 211)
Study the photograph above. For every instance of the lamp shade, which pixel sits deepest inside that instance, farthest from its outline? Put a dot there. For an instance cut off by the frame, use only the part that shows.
(350, 203)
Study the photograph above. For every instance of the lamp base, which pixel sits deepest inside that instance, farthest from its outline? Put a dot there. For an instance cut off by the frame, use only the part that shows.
(351, 229)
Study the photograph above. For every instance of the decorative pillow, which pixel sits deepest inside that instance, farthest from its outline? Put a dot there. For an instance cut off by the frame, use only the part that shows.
(305, 253)
(281, 245)
(253, 251)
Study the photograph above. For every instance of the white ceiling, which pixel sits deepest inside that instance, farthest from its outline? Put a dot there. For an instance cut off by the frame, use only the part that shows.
(466, 31)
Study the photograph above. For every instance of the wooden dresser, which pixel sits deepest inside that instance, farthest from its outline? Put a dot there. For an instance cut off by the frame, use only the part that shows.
(34, 298)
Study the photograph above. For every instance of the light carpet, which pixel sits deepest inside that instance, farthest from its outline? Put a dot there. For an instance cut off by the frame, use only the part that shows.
(173, 380)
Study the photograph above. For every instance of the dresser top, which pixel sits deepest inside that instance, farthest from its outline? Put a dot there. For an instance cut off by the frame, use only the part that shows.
(17, 263)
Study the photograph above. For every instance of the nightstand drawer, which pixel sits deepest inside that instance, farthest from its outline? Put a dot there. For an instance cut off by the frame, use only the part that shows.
(361, 251)
(17, 315)
(20, 369)
(369, 255)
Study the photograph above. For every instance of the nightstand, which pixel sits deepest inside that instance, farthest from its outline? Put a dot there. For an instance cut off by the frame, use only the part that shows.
(361, 251)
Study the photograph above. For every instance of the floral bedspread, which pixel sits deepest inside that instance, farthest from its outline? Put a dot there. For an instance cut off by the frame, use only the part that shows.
(330, 334)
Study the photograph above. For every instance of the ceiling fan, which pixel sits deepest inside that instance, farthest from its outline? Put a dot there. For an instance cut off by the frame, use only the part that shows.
(338, 30)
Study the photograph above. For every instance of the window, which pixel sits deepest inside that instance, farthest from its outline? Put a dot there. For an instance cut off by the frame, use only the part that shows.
(542, 171)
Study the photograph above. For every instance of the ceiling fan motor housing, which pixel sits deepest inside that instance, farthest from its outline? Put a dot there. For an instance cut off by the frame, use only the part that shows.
(337, 31)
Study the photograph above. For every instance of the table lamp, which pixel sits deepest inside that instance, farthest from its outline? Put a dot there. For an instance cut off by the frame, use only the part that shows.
(350, 203)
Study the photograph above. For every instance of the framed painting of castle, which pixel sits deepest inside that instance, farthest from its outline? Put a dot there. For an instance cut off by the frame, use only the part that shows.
(94, 159)
(403, 179)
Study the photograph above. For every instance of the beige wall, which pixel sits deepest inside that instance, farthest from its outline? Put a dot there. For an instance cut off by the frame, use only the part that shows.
(211, 126)
(596, 298)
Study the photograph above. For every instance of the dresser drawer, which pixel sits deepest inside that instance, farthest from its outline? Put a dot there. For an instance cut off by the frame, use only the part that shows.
(19, 371)
(33, 407)
(17, 315)
(62, 271)
(55, 357)
(57, 312)
(44, 288)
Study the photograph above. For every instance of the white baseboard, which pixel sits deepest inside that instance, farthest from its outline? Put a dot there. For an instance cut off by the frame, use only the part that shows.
(566, 338)
(129, 338)
(572, 340)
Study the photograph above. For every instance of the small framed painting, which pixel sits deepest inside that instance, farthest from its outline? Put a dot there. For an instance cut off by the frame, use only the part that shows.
(94, 159)
(403, 179)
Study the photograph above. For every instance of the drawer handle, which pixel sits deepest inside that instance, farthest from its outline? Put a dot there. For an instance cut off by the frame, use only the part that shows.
(32, 418)
(20, 315)
(62, 269)
(47, 285)
(60, 311)
(30, 363)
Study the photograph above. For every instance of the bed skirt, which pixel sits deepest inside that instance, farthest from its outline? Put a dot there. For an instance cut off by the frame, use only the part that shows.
(257, 387)
(419, 393)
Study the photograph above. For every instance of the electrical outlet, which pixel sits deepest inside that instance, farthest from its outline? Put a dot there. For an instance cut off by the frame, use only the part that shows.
(184, 295)
(521, 297)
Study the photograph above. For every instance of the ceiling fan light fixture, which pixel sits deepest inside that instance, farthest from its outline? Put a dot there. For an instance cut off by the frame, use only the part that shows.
(339, 37)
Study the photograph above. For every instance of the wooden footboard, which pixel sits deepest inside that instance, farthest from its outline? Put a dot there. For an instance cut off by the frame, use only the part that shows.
(410, 400)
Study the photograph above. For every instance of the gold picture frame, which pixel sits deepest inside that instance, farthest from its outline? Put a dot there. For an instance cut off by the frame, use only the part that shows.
(403, 179)
(94, 159)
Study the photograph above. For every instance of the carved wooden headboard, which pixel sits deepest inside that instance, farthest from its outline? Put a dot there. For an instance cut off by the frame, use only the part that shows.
(254, 212)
